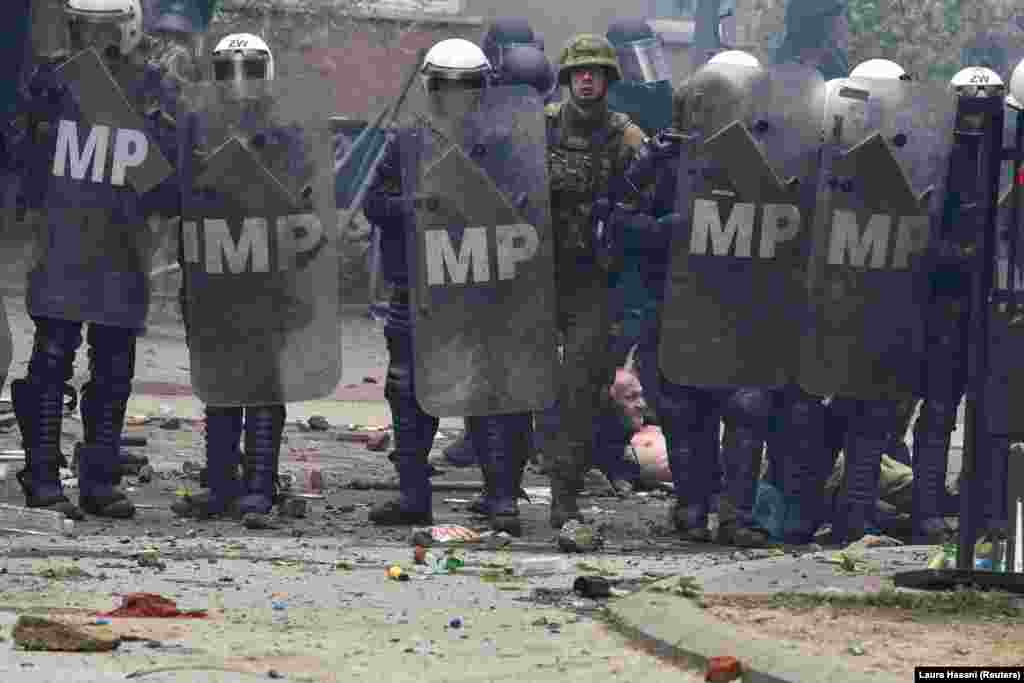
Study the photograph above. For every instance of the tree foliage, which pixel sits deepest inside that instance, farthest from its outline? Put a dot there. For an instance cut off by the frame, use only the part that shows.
(924, 36)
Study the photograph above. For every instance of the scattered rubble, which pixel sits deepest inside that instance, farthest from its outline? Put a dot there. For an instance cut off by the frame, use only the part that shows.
(38, 633)
(579, 538)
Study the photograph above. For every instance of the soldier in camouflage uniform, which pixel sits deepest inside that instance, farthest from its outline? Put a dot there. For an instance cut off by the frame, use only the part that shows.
(589, 149)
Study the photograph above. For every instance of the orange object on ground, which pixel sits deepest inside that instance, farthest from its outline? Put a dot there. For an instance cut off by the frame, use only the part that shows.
(152, 606)
(723, 669)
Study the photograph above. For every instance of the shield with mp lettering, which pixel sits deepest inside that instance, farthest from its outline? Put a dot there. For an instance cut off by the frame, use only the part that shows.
(481, 255)
(98, 173)
(884, 161)
(735, 298)
(259, 241)
(1005, 406)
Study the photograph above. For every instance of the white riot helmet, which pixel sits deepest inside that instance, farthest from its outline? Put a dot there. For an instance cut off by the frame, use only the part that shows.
(1016, 96)
(110, 27)
(456, 60)
(245, 62)
(978, 81)
(454, 75)
(883, 69)
(738, 57)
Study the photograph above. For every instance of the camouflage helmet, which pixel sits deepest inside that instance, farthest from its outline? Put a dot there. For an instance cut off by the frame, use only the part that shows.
(588, 49)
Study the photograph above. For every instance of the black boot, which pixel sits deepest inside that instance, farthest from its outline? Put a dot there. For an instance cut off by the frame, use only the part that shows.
(503, 444)
(99, 463)
(264, 426)
(461, 452)
(749, 418)
(743, 450)
(98, 478)
(858, 498)
(91, 414)
(414, 505)
(802, 477)
(932, 433)
(568, 467)
(223, 457)
(39, 413)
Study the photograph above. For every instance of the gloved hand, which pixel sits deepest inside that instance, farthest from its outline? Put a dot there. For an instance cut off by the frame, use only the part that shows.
(666, 144)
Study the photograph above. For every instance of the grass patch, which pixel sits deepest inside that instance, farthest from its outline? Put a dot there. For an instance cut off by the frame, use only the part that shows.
(961, 604)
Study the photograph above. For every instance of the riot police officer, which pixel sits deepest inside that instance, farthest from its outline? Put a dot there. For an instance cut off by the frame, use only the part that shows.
(454, 74)
(503, 44)
(70, 285)
(869, 425)
(945, 366)
(590, 147)
(798, 449)
(243, 73)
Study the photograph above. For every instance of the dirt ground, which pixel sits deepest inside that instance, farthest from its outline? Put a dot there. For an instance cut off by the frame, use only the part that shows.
(876, 640)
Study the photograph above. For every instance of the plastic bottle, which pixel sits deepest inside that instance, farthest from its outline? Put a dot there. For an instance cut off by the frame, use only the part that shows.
(279, 610)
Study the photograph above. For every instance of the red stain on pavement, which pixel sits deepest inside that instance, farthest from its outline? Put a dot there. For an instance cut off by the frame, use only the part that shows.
(152, 606)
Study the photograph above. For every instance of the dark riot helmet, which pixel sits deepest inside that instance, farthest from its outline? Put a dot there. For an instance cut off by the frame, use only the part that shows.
(504, 34)
(527, 65)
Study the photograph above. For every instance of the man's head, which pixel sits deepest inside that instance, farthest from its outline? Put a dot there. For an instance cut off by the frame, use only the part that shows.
(627, 394)
(588, 64)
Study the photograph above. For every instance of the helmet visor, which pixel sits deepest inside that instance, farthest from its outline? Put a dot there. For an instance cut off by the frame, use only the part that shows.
(644, 61)
(240, 66)
(99, 35)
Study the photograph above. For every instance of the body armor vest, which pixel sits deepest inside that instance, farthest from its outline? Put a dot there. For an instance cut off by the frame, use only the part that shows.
(580, 169)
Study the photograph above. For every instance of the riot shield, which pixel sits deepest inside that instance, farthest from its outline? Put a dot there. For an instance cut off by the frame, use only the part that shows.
(735, 297)
(1005, 405)
(259, 236)
(94, 176)
(885, 157)
(649, 105)
(481, 257)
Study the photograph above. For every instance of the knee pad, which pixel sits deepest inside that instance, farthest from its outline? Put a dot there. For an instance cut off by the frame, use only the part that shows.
(53, 351)
(399, 383)
(750, 409)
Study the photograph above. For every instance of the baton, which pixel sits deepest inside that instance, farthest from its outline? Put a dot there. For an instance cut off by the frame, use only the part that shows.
(365, 186)
(368, 179)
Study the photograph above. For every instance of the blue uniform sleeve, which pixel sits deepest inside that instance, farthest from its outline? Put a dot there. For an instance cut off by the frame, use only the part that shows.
(384, 206)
